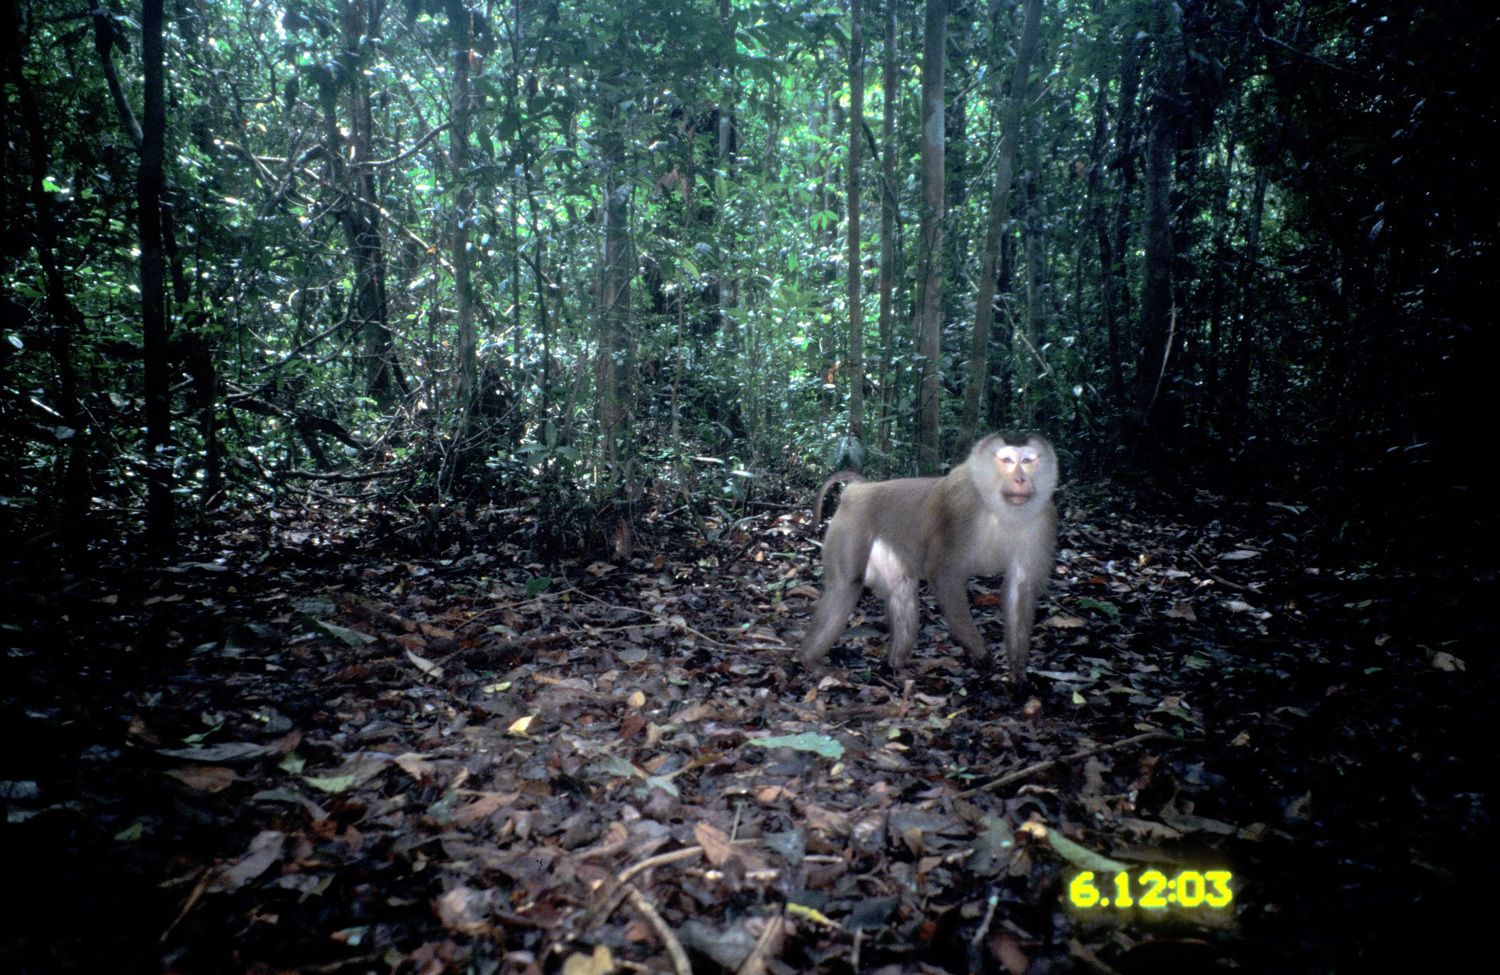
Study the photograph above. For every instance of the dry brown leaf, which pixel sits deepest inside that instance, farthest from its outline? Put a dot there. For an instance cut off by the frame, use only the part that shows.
(601, 962)
(463, 909)
(715, 843)
(1183, 610)
(425, 666)
(205, 778)
(264, 850)
(1007, 951)
(827, 820)
(416, 766)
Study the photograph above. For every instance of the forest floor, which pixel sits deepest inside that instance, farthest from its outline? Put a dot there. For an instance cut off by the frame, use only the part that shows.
(300, 747)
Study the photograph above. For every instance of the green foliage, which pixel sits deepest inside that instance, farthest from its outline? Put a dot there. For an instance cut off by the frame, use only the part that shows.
(1329, 205)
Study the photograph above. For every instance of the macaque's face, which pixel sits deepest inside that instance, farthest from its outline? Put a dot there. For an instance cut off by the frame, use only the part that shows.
(1017, 468)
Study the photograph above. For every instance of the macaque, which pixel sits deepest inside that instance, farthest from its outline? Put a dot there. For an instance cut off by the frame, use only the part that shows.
(991, 514)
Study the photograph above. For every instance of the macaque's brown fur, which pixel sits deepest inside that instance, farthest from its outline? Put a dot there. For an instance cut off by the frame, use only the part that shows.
(991, 514)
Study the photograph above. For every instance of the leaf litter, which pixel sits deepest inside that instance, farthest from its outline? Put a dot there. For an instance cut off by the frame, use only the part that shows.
(288, 753)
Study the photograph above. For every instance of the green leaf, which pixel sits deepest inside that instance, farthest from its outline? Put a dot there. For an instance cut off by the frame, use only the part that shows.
(818, 744)
(617, 765)
(1107, 608)
(336, 783)
(664, 783)
(352, 637)
(1081, 856)
(132, 832)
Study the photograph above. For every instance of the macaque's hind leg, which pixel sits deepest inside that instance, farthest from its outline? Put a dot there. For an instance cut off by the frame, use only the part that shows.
(893, 581)
(901, 616)
(829, 621)
(953, 598)
(1021, 593)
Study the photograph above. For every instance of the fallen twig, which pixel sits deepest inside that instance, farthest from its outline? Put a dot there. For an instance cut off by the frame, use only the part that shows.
(686, 853)
(204, 876)
(770, 938)
(1030, 770)
(646, 612)
(679, 957)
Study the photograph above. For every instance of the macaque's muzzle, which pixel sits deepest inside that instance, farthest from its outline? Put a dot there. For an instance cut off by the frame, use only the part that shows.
(1016, 490)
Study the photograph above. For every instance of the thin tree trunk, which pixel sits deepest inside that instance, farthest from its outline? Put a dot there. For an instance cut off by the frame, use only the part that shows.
(984, 301)
(887, 226)
(1125, 162)
(104, 42)
(856, 309)
(1036, 299)
(160, 525)
(371, 308)
(66, 320)
(828, 337)
(1216, 313)
(1105, 243)
(613, 362)
(684, 476)
(460, 20)
(1000, 403)
(929, 310)
(547, 312)
(1238, 384)
(517, 165)
(1157, 314)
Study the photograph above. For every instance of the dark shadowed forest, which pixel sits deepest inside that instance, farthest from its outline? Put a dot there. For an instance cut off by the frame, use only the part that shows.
(413, 416)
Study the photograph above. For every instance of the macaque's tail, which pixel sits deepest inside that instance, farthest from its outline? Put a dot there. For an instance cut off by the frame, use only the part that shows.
(848, 477)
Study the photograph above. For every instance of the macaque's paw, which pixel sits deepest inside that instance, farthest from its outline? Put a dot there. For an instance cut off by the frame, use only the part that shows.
(815, 666)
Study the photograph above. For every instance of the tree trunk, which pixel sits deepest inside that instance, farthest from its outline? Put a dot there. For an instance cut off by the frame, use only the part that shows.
(460, 21)
(549, 303)
(856, 309)
(1124, 162)
(984, 302)
(928, 319)
(1103, 240)
(613, 365)
(370, 307)
(1000, 403)
(887, 225)
(1157, 312)
(956, 157)
(67, 322)
(160, 525)
(1237, 385)
(727, 143)
(1026, 360)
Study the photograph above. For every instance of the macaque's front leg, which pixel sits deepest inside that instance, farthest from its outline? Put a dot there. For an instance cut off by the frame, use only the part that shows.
(1021, 592)
(953, 597)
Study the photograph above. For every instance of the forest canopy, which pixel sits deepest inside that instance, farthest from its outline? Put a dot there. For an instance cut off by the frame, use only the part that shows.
(588, 252)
